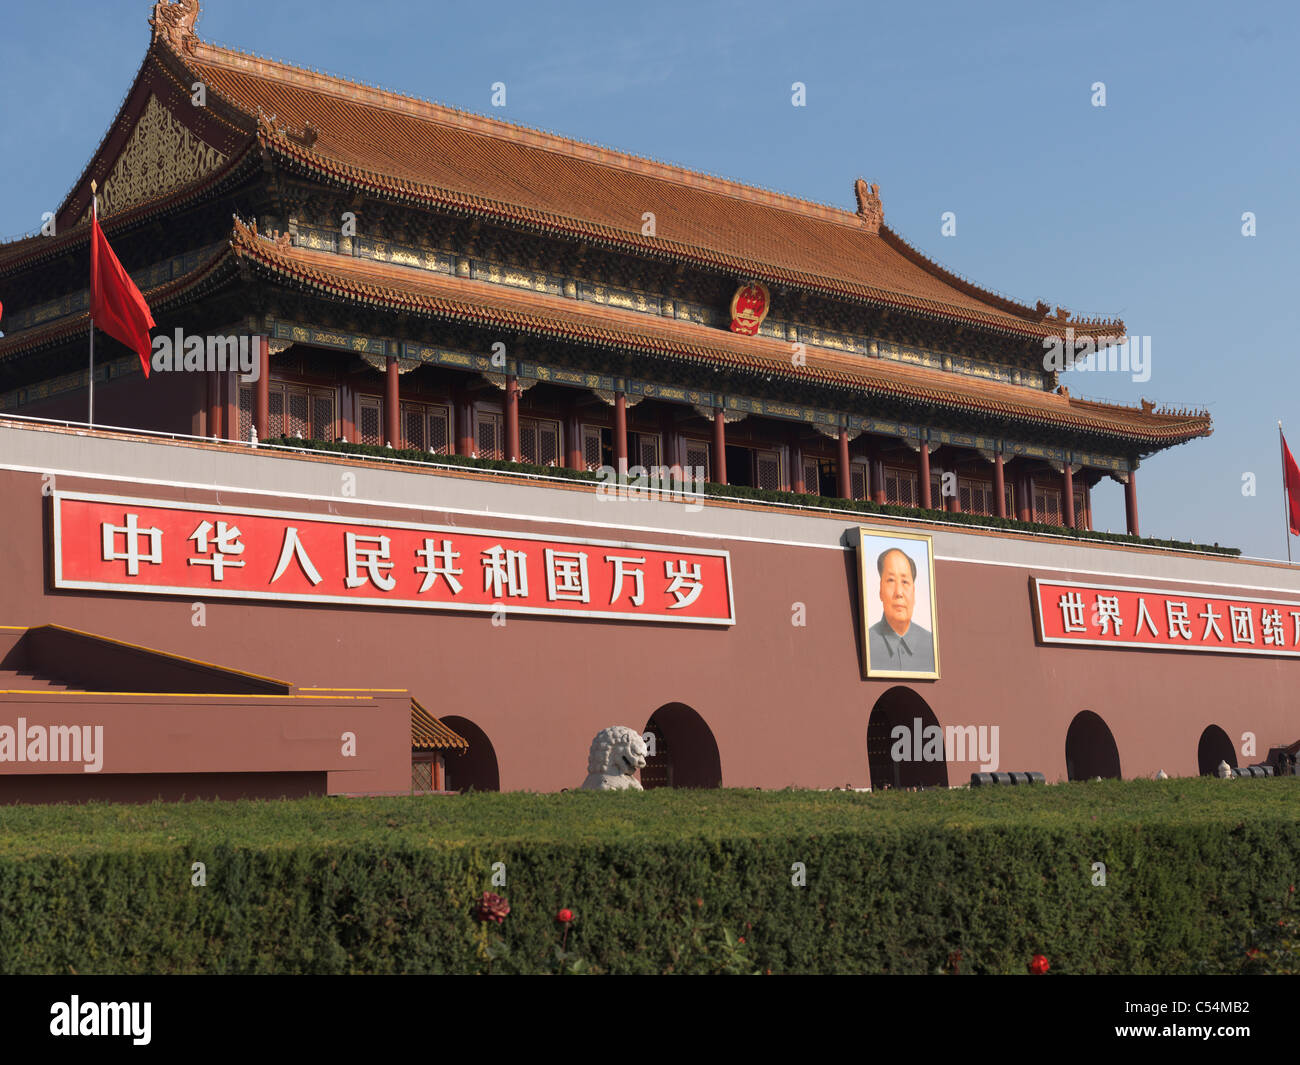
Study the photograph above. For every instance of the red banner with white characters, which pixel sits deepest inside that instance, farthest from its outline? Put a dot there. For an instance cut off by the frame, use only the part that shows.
(1100, 615)
(109, 543)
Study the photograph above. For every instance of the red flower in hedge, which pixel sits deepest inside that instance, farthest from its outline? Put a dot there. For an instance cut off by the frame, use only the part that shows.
(699, 903)
(1039, 965)
(564, 916)
(492, 908)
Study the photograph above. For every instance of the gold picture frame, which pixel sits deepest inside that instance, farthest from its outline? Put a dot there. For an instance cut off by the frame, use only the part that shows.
(882, 576)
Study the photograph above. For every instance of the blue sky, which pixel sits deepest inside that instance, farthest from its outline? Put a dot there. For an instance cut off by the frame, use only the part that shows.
(984, 110)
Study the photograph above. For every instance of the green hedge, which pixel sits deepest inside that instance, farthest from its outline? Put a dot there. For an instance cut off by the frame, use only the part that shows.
(658, 882)
(760, 495)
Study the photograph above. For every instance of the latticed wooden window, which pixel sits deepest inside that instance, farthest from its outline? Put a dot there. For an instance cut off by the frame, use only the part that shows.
(976, 497)
(299, 423)
(371, 416)
(311, 412)
(421, 777)
(1082, 519)
(767, 470)
(1011, 498)
(591, 449)
(539, 441)
(937, 502)
(900, 487)
(323, 425)
(491, 444)
(811, 482)
(427, 427)
(1047, 506)
(645, 450)
(858, 480)
(697, 457)
(245, 414)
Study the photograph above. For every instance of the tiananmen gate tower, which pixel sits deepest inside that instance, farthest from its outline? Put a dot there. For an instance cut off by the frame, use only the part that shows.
(465, 441)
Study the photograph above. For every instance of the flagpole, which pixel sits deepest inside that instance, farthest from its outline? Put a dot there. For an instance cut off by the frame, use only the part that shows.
(1286, 493)
(90, 416)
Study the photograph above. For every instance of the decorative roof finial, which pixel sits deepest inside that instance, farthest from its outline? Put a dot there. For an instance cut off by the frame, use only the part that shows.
(869, 207)
(173, 21)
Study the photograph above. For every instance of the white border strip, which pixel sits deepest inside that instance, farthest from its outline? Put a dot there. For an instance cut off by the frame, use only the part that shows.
(1061, 641)
(335, 519)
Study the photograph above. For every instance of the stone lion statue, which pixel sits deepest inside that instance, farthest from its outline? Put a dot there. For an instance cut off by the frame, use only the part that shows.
(616, 753)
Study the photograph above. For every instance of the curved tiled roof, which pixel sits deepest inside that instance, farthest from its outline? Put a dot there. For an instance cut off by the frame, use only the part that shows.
(480, 303)
(423, 152)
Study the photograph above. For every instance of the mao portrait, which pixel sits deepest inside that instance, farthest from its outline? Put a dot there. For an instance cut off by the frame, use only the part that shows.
(896, 587)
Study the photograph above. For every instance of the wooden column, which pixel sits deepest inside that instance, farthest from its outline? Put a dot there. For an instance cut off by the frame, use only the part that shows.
(575, 459)
(878, 492)
(230, 401)
(1067, 502)
(952, 503)
(347, 415)
(719, 447)
(797, 483)
(1025, 497)
(620, 433)
(466, 435)
(262, 402)
(846, 485)
(999, 488)
(512, 418)
(392, 405)
(1131, 503)
(668, 426)
(213, 424)
(924, 486)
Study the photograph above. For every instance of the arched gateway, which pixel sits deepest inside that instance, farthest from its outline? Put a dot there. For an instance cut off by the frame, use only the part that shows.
(911, 759)
(477, 767)
(1090, 749)
(1215, 747)
(686, 754)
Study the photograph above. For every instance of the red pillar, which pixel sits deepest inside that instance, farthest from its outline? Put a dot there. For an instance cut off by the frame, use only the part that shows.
(465, 432)
(512, 418)
(797, 483)
(1025, 497)
(952, 503)
(878, 493)
(846, 487)
(392, 405)
(719, 447)
(262, 403)
(214, 407)
(1131, 503)
(999, 488)
(1067, 488)
(669, 426)
(620, 433)
(230, 401)
(925, 476)
(573, 436)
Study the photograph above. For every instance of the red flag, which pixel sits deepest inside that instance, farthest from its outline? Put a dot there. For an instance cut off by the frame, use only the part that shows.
(115, 303)
(1292, 474)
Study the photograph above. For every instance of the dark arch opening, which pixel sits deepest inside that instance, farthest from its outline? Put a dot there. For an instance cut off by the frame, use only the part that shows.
(1215, 747)
(686, 754)
(477, 767)
(1090, 749)
(905, 760)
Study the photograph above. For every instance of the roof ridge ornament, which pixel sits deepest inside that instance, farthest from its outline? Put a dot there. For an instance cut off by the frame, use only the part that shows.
(173, 21)
(870, 209)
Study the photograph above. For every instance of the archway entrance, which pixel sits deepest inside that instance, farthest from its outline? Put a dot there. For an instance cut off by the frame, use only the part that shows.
(1215, 747)
(686, 754)
(914, 759)
(477, 767)
(1090, 749)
